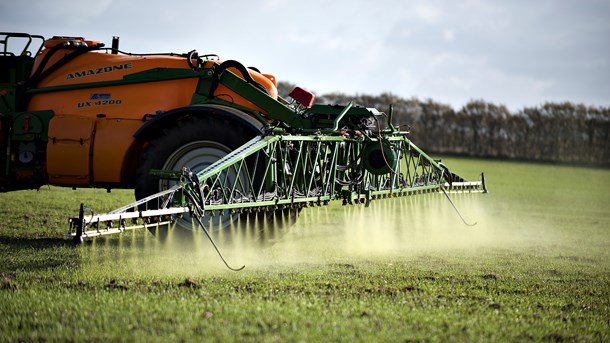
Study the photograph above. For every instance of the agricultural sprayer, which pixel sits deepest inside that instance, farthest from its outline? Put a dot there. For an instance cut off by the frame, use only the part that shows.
(201, 140)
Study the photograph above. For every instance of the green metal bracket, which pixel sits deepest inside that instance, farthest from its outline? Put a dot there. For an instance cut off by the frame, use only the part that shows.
(167, 174)
(340, 116)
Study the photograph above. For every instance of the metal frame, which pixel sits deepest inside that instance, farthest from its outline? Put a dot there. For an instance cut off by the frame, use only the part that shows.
(277, 171)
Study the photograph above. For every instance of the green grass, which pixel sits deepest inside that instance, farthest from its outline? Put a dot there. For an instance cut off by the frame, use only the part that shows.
(536, 267)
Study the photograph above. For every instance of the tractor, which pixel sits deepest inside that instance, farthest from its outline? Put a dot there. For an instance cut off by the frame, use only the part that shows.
(200, 139)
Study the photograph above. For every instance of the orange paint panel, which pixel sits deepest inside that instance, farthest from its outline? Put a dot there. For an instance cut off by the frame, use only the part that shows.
(68, 150)
(79, 156)
(127, 101)
(97, 66)
(113, 137)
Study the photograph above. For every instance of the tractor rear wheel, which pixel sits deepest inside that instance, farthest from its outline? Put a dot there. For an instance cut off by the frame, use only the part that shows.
(194, 142)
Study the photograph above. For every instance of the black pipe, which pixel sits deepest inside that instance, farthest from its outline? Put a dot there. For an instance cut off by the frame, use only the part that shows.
(80, 226)
(240, 67)
(115, 45)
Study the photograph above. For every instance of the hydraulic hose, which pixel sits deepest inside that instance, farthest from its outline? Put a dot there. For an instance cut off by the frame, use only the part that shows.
(241, 68)
(40, 75)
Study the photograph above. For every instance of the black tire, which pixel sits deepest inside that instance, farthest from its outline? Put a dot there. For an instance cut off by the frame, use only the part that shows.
(194, 142)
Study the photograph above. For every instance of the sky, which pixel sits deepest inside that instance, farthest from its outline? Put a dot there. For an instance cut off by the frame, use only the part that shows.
(516, 53)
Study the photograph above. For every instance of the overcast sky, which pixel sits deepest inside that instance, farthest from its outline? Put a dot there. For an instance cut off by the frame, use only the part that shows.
(513, 52)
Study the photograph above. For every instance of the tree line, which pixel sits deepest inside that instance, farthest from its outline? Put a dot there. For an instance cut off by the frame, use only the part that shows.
(553, 132)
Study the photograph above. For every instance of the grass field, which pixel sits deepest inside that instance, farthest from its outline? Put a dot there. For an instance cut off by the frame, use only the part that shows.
(536, 267)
